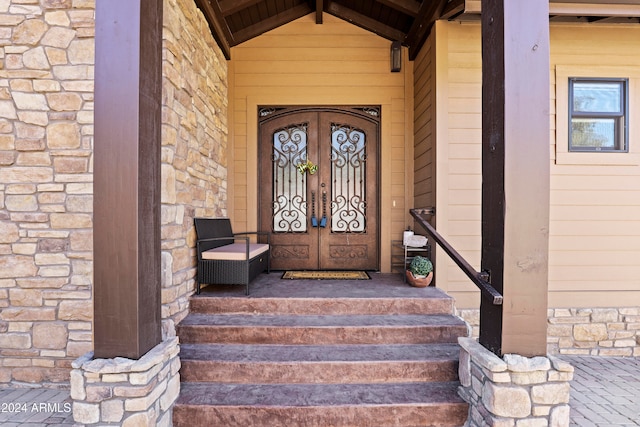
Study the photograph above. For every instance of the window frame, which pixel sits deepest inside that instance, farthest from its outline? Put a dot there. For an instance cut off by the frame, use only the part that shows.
(559, 107)
(621, 142)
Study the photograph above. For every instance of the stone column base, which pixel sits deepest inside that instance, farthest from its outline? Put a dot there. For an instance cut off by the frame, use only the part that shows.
(125, 391)
(514, 391)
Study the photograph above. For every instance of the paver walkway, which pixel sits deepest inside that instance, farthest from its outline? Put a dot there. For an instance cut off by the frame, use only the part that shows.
(605, 392)
(35, 407)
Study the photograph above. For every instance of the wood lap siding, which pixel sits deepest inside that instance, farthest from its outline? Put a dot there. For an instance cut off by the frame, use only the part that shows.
(424, 126)
(595, 215)
(335, 63)
(595, 208)
(459, 154)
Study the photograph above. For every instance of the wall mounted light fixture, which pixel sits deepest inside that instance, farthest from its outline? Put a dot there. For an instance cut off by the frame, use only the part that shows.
(396, 57)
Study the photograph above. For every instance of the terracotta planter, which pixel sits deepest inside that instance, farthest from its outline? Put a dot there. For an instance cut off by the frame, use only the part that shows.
(419, 283)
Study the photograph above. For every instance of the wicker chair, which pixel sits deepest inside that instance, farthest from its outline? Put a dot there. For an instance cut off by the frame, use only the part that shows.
(225, 258)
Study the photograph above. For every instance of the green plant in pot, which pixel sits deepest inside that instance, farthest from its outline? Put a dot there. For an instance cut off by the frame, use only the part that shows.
(419, 272)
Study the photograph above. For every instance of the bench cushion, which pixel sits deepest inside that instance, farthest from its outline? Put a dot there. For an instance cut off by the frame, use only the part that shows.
(235, 251)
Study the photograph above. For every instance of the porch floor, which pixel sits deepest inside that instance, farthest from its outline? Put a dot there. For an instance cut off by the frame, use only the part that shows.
(381, 285)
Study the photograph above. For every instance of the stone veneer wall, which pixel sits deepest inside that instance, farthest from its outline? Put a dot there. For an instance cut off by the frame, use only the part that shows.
(513, 391)
(594, 331)
(46, 140)
(585, 331)
(194, 148)
(47, 50)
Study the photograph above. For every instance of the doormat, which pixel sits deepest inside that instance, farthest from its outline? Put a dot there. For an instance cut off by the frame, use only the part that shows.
(326, 275)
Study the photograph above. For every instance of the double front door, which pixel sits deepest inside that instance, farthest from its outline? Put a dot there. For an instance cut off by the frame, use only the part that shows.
(319, 187)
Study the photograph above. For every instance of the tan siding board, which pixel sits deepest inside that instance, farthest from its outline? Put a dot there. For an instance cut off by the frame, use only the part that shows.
(465, 121)
(596, 183)
(603, 214)
(311, 67)
(591, 277)
(319, 41)
(397, 179)
(465, 167)
(319, 79)
(607, 243)
(463, 106)
(397, 154)
(464, 150)
(469, 91)
(465, 182)
(594, 228)
(240, 166)
(587, 298)
(585, 198)
(335, 53)
(330, 95)
(465, 75)
(240, 203)
(593, 255)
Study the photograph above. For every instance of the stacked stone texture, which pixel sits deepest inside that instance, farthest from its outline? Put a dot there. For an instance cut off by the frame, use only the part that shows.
(47, 49)
(127, 392)
(585, 331)
(46, 140)
(595, 331)
(194, 148)
(514, 391)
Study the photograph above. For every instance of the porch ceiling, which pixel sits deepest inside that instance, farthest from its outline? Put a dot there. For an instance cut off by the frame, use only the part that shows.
(409, 21)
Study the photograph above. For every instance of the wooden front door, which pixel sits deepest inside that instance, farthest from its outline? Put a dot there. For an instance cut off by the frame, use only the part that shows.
(324, 219)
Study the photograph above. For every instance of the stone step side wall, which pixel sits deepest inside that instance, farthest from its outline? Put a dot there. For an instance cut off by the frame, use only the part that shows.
(127, 392)
(513, 390)
(585, 331)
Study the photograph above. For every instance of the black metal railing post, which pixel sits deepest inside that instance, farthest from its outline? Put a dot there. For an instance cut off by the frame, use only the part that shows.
(491, 298)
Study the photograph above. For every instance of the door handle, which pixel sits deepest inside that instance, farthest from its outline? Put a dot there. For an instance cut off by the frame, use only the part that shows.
(323, 221)
(314, 220)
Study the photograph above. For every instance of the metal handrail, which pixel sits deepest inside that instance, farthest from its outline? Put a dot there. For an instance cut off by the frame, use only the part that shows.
(480, 279)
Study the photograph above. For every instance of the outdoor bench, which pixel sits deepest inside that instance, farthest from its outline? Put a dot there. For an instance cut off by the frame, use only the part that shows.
(227, 258)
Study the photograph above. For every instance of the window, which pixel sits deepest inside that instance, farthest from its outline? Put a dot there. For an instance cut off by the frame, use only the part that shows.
(598, 116)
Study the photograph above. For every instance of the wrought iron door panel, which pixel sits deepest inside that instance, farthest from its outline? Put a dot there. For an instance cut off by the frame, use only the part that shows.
(289, 186)
(284, 198)
(324, 218)
(351, 241)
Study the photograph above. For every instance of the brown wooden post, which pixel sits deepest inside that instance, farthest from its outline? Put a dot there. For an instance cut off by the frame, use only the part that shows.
(128, 90)
(515, 173)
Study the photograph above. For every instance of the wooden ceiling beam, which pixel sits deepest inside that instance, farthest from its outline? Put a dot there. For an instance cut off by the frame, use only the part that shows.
(452, 8)
(614, 20)
(319, 10)
(365, 22)
(273, 22)
(220, 30)
(229, 7)
(408, 7)
(579, 7)
(430, 11)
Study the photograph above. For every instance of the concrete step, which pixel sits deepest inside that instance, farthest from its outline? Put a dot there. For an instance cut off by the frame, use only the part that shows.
(320, 329)
(321, 405)
(376, 353)
(360, 301)
(356, 363)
